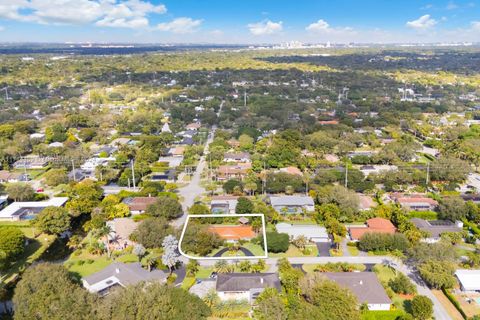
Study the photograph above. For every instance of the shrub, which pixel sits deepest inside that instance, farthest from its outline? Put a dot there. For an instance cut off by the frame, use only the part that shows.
(401, 284)
(374, 241)
(277, 242)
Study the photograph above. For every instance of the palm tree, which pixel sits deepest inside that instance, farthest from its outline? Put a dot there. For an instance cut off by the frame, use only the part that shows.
(150, 261)
(74, 242)
(222, 266)
(245, 266)
(192, 267)
(104, 233)
(211, 298)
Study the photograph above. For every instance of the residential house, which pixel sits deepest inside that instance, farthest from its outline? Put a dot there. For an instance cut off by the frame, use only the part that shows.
(314, 233)
(237, 157)
(172, 162)
(236, 171)
(469, 280)
(435, 228)
(27, 210)
(377, 168)
(233, 233)
(138, 205)
(416, 202)
(176, 152)
(374, 225)
(7, 176)
(120, 274)
(365, 286)
(193, 126)
(365, 202)
(291, 170)
(292, 204)
(245, 286)
(223, 204)
(168, 176)
(80, 175)
(32, 163)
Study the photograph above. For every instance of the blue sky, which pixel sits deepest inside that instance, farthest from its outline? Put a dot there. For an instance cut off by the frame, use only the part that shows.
(240, 21)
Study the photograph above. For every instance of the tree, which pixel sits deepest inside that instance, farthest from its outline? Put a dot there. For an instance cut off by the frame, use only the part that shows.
(244, 205)
(270, 306)
(440, 251)
(20, 191)
(151, 232)
(54, 177)
(197, 239)
(277, 242)
(334, 301)
(192, 267)
(47, 291)
(85, 196)
(246, 142)
(165, 207)
(171, 256)
(452, 208)
(376, 241)
(347, 200)
(53, 220)
(449, 169)
(402, 284)
(438, 274)
(155, 301)
(230, 185)
(300, 242)
(222, 266)
(139, 250)
(422, 308)
(12, 241)
(198, 208)
(245, 266)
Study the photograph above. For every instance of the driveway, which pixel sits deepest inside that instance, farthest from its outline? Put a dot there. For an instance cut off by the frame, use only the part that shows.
(245, 251)
(323, 249)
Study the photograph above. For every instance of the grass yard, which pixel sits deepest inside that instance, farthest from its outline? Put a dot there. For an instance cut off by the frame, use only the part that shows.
(203, 272)
(86, 264)
(256, 249)
(353, 251)
(33, 251)
(295, 252)
(384, 274)
(382, 315)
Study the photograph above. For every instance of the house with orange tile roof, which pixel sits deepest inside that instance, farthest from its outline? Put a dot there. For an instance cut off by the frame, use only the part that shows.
(138, 205)
(233, 233)
(378, 225)
(415, 202)
(236, 171)
(291, 170)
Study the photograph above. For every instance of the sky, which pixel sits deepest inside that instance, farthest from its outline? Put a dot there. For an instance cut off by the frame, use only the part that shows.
(239, 21)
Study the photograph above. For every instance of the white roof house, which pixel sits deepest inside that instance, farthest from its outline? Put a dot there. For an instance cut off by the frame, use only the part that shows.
(27, 210)
(469, 279)
(314, 233)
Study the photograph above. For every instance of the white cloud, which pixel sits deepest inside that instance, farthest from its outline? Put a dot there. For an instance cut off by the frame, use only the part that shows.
(265, 27)
(451, 6)
(217, 32)
(105, 13)
(180, 25)
(2, 28)
(422, 23)
(475, 25)
(319, 26)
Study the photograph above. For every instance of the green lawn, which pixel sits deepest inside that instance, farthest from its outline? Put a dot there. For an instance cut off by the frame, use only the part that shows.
(382, 315)
(353, 251)
(91, 263)
(203, 272)
(33, 251)
(254, 248)
(384, 274)
(295, 252)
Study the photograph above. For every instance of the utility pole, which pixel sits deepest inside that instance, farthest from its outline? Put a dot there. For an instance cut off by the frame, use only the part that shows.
(346, 174)
(427, 180)
(245, 98)
(264, 182)
(73, 170)
(133, 175)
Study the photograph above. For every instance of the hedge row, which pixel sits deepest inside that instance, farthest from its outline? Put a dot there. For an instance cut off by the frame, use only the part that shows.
(455, 303)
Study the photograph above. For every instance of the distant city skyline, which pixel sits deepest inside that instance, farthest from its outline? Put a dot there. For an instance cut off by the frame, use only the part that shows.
(239, 22)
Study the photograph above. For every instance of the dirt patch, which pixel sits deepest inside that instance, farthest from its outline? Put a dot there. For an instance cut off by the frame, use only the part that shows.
(470, 308)
(406, 296)
(452, 311)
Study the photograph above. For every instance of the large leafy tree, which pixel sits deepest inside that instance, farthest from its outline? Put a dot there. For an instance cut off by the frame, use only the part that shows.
(244, 205)
(452, 208)
(438, 274)
(422, 308)
(20, 191)
(85, 196)
(156, 301)
(151, 232)
(47, 291)
(53, 220)
(165, 207)
(12, 241)
(54, 177)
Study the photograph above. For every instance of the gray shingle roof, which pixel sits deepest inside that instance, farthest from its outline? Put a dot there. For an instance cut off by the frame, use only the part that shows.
(364, 285)
(126, 273)
(246, 281)
(435, 228)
